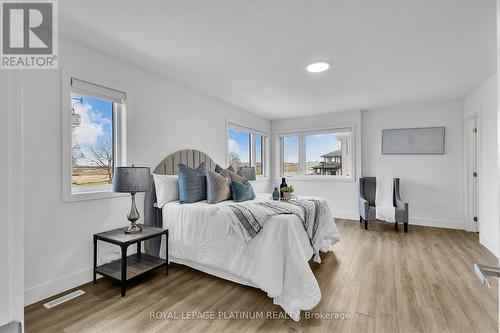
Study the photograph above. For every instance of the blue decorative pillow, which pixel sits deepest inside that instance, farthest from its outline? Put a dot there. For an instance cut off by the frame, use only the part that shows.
(202, 168)
(192, 183)
(242, 191)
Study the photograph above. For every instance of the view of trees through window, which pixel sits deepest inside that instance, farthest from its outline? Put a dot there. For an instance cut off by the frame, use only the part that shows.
(242, 145)
(239, 148)
(92, 142)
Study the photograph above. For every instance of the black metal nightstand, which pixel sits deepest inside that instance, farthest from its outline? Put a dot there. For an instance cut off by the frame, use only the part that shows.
(132, 266)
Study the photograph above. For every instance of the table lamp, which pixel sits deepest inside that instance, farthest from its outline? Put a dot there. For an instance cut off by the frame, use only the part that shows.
(132, 180)
(248, 172)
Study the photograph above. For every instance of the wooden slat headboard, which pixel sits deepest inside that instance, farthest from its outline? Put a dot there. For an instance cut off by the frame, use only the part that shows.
(190, 157)
(169, 166)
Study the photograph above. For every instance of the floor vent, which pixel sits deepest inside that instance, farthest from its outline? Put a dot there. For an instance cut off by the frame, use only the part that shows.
(64, 298)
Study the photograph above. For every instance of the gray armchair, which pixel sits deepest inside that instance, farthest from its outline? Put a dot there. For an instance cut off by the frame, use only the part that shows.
(367, 190)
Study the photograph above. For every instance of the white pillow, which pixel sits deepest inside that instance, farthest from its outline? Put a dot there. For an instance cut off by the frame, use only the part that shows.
(167, 189)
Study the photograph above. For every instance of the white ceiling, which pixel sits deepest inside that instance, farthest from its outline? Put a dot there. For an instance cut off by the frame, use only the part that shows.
(253, 53)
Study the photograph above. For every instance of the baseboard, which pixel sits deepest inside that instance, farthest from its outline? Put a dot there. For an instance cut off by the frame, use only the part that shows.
(438, 223)
(422, 221)
(54, 287)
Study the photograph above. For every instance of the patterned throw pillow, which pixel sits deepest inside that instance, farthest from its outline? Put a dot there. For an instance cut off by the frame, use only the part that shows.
(218, 188)
(242, 191)
(219, 169)
(192, 183)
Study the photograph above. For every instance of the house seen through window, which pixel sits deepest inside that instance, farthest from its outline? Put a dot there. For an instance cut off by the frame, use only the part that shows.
(322, 153)
(328, 154)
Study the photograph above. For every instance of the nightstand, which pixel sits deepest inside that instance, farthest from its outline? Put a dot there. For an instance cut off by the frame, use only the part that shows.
(132, 266)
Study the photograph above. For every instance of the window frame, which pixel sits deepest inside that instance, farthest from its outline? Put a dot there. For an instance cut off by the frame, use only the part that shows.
(121, 112)
(282, 153)
(302, 153)
(253, 133)
(253, 153)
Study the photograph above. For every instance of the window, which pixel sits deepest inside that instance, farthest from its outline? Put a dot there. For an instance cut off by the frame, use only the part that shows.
(246, 147)
(239, 148)
(92, 151)
(95, 136)
(259, 154)
(321, 153)
(290, 150)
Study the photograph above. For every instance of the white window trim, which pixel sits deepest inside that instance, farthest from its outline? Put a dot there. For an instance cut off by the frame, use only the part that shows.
(265, 147)
(302, 133)
(120, 118)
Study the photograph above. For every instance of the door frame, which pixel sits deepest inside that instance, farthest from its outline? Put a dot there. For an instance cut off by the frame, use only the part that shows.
(472, 121)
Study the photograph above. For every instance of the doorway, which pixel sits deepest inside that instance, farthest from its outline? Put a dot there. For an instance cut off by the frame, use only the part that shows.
(473, 183)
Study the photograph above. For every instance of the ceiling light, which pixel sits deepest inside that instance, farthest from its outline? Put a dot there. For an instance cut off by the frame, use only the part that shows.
(318, 67)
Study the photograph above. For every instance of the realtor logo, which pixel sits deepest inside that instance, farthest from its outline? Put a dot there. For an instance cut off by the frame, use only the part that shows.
(29, 34)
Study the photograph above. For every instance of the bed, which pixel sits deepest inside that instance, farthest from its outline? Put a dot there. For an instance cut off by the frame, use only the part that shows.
(275, 261)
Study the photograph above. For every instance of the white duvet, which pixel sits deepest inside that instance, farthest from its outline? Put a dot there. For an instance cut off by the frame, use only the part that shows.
(276, 260)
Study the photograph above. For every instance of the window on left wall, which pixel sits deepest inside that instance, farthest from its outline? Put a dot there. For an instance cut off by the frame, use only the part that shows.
(92, 148)
(97, 129)
(246, 147)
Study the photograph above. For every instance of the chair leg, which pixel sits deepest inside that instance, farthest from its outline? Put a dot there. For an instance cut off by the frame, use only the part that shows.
(360, 219)
(396, 226)
(406, 227)
(366, 225)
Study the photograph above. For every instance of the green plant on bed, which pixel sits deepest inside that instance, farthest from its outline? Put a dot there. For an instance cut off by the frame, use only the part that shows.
(288, 189)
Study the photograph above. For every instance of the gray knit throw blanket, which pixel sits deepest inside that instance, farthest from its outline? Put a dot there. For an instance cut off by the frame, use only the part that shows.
(248, 218)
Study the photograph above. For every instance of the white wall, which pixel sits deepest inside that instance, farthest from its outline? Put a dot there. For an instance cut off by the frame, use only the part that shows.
(341, 195)
(11, 236)
(432, 184)
(165, 117)
(483, 101)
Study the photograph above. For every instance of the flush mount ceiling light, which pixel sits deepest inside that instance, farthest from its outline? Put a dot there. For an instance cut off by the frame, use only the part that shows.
(318, 67)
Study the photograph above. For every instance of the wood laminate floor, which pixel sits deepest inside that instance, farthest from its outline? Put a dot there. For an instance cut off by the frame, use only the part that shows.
(382, 280)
